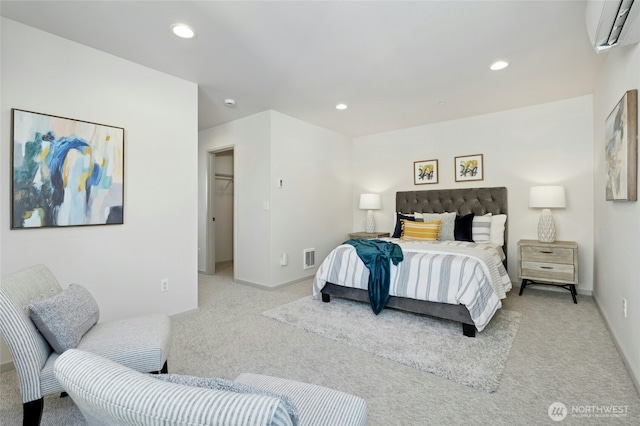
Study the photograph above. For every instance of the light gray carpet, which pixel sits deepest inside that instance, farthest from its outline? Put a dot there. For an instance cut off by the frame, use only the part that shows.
(562, 352)
(428, 344)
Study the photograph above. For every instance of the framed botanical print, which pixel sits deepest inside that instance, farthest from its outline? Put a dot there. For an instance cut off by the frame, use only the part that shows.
(469, 167)
(425, 172)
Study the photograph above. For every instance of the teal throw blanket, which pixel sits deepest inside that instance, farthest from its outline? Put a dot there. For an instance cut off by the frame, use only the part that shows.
(377, 256)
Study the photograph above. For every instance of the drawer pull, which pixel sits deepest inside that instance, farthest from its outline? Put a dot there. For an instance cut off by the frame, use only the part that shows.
(546, 267)
(546, 252)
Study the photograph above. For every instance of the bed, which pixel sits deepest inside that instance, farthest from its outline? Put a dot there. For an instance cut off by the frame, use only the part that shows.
(481, 266)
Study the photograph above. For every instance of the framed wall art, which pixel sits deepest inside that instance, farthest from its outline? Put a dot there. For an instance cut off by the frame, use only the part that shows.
(469, 167)
(425, 172)
(621, 149)
(65, 172)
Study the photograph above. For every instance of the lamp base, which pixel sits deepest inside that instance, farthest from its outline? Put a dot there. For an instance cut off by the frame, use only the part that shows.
(370, 223)
(546, 227)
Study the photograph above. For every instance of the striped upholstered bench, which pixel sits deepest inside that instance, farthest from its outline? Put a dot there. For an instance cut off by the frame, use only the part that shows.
(317, 405)
(108, 393)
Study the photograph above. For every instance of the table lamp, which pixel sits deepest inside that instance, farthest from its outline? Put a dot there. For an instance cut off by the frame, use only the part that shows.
(370, 202)
(547, 198)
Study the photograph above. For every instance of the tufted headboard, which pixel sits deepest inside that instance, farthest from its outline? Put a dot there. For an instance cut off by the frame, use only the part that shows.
(462, 201)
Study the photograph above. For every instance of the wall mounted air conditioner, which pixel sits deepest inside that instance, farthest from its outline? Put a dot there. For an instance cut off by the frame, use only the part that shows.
(613, 23)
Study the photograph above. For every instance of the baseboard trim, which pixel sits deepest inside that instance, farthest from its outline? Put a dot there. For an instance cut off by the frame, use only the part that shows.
(275, 287)
(625, 361)
(185, 314)
(516, 286)
(7, 366)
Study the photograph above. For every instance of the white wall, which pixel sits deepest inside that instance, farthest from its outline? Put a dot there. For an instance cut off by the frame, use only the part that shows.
(5, 355)
(311, 210)
(313, 207)
(542, 144)
(120, 265)
(617, 224)
(250, 138)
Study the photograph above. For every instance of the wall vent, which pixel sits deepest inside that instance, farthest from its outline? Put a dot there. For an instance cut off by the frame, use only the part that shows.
(612, 23)
(309, 258)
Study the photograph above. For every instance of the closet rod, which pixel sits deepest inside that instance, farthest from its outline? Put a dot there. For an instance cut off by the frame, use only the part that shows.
(223, 176)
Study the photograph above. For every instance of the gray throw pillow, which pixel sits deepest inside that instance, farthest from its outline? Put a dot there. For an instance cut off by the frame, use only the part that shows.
(448, 224)
(64, 318)
(226, 385)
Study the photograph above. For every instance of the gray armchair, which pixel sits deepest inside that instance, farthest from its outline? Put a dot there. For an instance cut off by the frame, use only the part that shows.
(141, 343)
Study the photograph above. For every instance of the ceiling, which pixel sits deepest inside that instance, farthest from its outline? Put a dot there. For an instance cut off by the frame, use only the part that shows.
(395, 64)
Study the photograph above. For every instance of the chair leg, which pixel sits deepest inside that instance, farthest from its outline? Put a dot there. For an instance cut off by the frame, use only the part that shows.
(165, 369)
(32, 412)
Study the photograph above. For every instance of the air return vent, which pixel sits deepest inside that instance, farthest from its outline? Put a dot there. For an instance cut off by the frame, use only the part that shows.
(309, 258)
(613, 23)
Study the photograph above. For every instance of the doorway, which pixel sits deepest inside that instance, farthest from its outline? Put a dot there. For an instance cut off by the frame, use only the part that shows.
(220, 210)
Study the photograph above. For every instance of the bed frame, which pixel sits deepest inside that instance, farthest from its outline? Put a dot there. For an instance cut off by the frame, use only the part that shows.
(462, 201)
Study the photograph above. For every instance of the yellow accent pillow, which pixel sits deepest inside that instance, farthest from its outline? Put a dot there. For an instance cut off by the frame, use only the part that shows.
(421, 231)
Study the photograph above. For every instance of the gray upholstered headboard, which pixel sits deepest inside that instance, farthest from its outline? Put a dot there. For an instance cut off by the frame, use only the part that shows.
(462, 201)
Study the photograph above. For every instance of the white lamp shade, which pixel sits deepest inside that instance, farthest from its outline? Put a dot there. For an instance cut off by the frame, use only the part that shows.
(370, 201)
(547, 197)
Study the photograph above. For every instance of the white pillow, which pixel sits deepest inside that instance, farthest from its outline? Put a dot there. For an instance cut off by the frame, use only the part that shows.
(497, 228)
(481, 228)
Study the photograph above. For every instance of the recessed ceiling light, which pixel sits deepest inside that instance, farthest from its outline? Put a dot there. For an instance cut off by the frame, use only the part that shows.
(341, 106)
(183, 31)
(499, 65)
(442, 103)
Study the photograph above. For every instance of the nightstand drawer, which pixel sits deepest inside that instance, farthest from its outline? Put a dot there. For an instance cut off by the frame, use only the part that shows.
(553, 263)
(547, 254)
(548, 271)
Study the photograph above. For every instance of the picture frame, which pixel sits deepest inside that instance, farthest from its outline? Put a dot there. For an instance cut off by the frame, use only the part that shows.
(65, 172)
(469, 167)
(425, 172)
(621, 149)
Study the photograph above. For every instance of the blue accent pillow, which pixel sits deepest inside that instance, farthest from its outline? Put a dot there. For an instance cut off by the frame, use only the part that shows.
(64, 318)
(463, 228)
(397, 232)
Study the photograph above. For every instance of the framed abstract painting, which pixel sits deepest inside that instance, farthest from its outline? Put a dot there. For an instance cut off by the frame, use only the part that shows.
(425, 172)
(469, 167)
(65, 172)
(621, 149)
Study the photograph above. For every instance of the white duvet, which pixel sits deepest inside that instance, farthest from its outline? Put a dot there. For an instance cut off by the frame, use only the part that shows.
(452, 272)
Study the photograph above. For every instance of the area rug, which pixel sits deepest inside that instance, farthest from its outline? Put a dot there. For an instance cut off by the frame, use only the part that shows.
(425, 343)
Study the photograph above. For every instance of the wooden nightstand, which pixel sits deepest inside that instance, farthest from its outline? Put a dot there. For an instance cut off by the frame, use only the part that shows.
(367, 236)
(548, 263)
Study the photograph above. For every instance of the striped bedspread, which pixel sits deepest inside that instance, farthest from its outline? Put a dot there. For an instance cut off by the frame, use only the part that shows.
(453, 272)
